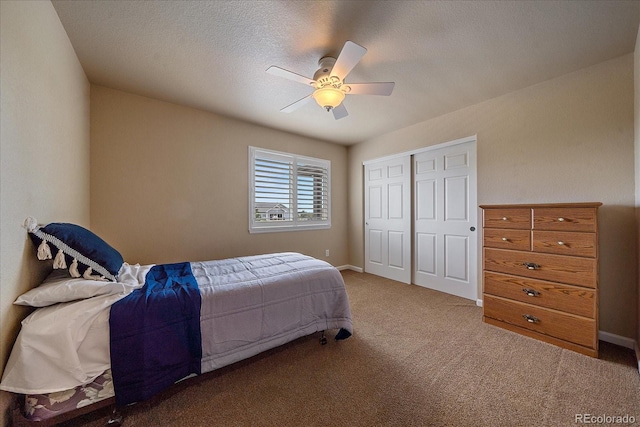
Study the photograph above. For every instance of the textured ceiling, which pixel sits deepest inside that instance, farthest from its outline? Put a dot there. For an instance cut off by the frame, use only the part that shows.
(442, 55)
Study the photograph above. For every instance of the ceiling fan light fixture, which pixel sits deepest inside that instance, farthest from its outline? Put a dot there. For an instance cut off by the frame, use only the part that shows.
(328, 81)
(328, 97)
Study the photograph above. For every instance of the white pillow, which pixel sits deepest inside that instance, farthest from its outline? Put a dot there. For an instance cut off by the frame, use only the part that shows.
(59, 287)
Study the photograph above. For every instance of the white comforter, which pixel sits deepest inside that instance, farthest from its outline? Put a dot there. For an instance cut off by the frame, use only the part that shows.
(249, 305)
(65, 345)
(255, 303)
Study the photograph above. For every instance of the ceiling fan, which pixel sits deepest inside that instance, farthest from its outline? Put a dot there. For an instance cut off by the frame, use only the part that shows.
(328, 81)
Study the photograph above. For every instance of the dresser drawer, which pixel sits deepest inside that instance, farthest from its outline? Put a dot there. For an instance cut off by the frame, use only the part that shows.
(507, 239)
(518, 218)
(565, 219)
(565, 243)
(572, 299)
(545, 321)
(556, 268)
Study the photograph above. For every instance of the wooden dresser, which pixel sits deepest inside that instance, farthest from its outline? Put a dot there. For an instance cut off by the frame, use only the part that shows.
(540, 272)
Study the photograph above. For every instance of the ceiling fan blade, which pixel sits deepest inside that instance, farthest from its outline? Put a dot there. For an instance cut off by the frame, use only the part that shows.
(350, 55)
(299, 103)
(281, 72)
(339, 112)
(379, 88)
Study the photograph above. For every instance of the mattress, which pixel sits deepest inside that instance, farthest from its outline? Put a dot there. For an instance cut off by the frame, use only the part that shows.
(252, 304)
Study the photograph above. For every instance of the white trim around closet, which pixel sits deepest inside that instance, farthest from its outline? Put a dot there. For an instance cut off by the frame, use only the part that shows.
(423, 149)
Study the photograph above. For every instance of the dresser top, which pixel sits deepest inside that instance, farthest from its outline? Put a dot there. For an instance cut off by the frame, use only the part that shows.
(544, 205)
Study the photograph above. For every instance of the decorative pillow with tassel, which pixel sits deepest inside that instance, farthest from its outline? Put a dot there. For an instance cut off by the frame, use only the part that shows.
(76, 248)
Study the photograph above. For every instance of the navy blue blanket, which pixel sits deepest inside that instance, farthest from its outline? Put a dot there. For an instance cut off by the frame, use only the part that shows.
(155, 334)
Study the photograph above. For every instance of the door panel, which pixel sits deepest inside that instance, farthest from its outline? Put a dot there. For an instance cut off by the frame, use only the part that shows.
(395, 249)
(456, 250)
(456, 198)
(375, 202)
(426, 199)
(446, 210)
(388, 218)
(396, 208)
(426, 246)
(375, 246)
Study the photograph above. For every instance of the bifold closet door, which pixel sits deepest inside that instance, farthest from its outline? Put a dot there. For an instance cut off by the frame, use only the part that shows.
(387, 218)
(445, 220)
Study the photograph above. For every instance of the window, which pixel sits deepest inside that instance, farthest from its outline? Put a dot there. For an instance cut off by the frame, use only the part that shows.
(287, 192)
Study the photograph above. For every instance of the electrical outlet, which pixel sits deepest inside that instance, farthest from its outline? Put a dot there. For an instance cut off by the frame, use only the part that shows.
(326, 252)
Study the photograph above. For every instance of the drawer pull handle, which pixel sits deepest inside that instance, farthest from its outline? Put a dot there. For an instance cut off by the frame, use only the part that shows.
(504, 218)
(504, 239)
(561, 219)
(531, 292)
(531, 319)
(531, 265)
(561, 243)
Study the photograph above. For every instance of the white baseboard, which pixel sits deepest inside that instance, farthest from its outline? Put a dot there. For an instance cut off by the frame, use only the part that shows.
(617, 340)
(637, 349)
(350, 267)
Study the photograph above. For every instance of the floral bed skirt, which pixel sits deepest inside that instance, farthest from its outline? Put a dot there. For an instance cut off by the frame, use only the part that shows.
(40, 407)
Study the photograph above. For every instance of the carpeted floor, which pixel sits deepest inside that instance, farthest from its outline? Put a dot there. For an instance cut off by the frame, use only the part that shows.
(417, 358)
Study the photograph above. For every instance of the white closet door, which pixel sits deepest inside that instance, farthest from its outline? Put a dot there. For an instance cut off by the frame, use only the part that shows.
(387, 217)
(445, 213)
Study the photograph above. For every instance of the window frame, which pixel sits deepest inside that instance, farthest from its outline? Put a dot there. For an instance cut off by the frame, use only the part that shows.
(294, 224)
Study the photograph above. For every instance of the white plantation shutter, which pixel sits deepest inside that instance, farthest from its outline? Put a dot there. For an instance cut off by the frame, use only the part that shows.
(273, 187)
(313, 191)
(287, 191)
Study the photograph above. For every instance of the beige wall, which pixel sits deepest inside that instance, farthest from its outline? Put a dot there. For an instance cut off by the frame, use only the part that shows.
(170, 183)
(44, 145)
(565, 140)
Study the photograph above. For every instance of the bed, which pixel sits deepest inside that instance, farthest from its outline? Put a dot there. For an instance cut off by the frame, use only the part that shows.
(109, 333)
